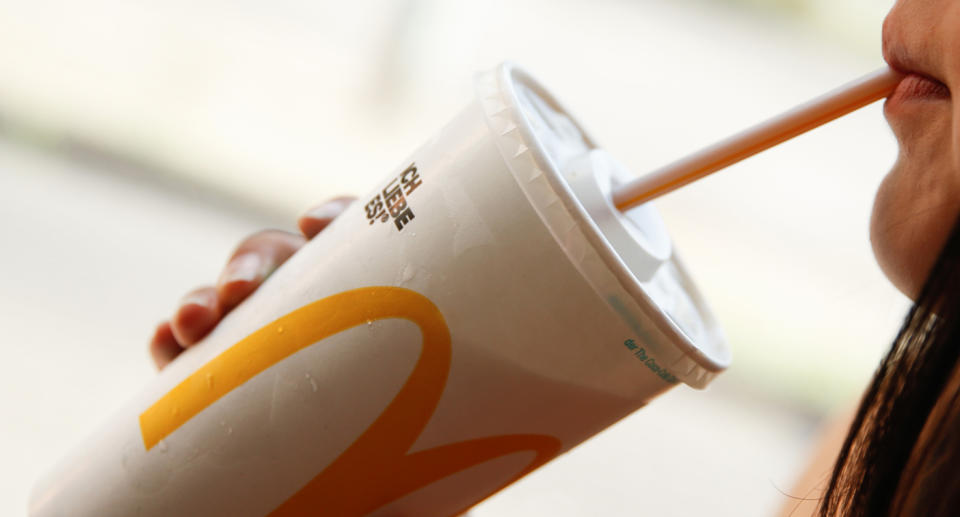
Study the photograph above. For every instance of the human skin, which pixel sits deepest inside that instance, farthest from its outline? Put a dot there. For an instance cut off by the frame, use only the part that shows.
(201, 309)
(918, 201)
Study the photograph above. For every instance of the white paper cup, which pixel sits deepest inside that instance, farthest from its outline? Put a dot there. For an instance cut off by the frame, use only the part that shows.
(484, 310)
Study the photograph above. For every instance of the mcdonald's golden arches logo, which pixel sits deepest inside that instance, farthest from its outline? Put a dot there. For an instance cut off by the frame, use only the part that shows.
(376, 468)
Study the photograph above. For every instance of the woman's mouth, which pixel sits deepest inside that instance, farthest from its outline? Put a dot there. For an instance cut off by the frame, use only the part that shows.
(915, 87)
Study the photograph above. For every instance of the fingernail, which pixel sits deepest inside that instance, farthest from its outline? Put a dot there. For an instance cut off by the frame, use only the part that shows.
(330, 209)
(198, 298)
(248, 267)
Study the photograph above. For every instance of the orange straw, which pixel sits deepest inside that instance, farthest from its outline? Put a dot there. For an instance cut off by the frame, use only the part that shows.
(849, 97)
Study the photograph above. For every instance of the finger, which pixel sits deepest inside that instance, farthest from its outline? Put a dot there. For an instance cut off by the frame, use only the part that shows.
(252, 262)
(199, 312)
(313, 221)
(163, 345)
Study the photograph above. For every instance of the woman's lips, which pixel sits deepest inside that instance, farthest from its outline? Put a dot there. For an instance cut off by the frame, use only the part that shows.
(915, 87)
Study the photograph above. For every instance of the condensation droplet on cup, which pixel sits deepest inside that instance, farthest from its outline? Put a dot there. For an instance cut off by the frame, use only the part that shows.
(369, 323)
(313, 383)
(175, 411)
(209, 380)
(408, 273)
(280, 329)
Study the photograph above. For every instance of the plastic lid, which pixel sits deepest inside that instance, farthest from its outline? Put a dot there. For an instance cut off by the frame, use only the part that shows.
(642, 243)
(568, 179)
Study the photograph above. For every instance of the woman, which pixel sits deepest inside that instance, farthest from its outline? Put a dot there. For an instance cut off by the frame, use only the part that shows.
(901, 454)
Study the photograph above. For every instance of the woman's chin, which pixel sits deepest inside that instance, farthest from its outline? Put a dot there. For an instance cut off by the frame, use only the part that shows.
(908, 228)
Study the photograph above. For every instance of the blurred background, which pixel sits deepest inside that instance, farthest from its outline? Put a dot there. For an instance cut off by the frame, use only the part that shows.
(139, 141)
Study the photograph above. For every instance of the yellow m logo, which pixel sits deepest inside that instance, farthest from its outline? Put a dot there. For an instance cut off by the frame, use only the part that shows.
(376, 468)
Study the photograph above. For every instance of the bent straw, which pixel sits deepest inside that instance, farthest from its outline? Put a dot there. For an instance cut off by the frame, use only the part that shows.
(834, 104)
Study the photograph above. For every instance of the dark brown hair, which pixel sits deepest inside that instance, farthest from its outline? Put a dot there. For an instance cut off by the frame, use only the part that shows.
(902, 453)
